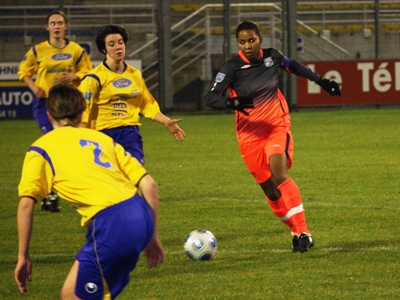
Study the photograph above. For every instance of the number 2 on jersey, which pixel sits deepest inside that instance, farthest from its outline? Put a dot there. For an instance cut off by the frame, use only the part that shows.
(97, 152)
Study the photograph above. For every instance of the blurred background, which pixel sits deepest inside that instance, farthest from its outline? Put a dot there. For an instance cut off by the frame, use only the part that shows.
(180, 47)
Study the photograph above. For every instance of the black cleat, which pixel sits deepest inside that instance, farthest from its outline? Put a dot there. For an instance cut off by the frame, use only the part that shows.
(295, 243)
(50, 203)
(305, 242)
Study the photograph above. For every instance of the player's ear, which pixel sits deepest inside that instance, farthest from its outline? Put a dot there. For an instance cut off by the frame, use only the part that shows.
(50, 117)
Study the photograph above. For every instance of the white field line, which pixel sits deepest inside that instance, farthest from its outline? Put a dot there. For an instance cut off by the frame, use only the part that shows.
(229, 252)
(306, 204)
(356, 249)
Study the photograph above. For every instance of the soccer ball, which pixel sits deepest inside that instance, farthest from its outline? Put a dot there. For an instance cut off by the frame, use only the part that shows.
(201, 245)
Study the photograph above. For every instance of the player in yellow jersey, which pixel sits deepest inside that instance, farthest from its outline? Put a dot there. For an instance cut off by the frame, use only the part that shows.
(56, 60)
(101, 181)
(116, 94)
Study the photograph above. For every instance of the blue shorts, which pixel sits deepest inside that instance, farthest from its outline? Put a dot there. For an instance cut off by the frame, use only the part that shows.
(115, 238)
(128, 137)
(40, 115)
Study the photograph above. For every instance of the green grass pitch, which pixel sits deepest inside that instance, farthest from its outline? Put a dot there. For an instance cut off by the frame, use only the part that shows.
(346, 164)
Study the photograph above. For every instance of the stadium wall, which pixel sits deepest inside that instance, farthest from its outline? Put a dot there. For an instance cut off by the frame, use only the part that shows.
(363, 82)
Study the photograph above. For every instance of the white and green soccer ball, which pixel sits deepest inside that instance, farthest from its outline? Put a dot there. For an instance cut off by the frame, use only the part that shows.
(201, 245)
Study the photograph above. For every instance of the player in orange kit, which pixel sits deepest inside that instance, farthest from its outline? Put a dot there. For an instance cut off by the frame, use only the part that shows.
(263, 125)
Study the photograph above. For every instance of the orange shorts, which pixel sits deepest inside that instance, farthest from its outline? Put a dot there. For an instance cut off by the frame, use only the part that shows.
(256, 154)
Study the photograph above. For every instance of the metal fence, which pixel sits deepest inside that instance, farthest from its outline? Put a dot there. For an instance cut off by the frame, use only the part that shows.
(198, 35)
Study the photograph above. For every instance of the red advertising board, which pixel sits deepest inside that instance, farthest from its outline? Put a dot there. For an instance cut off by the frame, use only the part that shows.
(361, 82)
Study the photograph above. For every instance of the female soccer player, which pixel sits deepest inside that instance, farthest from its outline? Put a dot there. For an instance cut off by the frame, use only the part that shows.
(102, 182)
(116, 94)
(55, 60)
(263, 122)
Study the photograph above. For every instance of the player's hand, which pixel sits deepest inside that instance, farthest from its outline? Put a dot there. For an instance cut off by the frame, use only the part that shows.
(39, 92)
(330, 86)
(240, 103)
(69, 77)
(155, 253)
(23, 273)
(178, 133)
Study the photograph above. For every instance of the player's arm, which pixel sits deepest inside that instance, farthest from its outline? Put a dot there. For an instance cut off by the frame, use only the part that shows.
(83, 65)
(149, 108)
(171, 125)
(215, 97)
(28, 68)
(23, 270)
(36, 90)
(133, 170)
(297, 68)
(89, 87)
(154, 250)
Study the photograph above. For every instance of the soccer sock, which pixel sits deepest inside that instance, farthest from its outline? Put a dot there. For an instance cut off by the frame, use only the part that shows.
(294, 205)
(279, 209)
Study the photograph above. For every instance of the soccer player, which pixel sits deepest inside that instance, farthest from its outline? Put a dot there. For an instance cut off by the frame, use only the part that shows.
(102, 182)
(116, 94)
(56, 60)
(263, 126)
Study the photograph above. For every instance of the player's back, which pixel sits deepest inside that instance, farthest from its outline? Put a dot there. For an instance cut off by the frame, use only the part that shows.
(86, 168)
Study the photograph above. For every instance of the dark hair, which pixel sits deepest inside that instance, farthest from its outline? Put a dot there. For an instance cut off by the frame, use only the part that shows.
(65, 101)
(248, 25)
(107, 30)
(57, 12)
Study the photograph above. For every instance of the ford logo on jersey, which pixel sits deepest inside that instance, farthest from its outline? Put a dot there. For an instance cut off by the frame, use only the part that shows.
(61, 56)
(121, 83)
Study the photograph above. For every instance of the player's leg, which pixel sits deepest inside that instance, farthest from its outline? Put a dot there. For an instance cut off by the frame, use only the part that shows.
(68, 289)
(40, 115)
(292, 210)
(273, 193)
(50, 203)
(256, 160)
(116, 237)
(128, 137)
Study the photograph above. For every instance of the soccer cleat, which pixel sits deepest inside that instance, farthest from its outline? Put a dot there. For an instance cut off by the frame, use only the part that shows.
(305, 242)
(50, 203)
(295, 242)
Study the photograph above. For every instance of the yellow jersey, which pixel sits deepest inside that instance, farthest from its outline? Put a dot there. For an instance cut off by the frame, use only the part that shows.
(50, 63)
(83, 166)
(115, 100)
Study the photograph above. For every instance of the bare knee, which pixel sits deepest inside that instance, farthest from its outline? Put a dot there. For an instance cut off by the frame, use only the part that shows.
(270, 188)
(68, 290)
(278, 165)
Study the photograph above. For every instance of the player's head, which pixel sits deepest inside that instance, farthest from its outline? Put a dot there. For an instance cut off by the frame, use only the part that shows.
(56, 12)
(56, 24)
(65, 102)
(248, 25)
(108, 30)
(249, 39)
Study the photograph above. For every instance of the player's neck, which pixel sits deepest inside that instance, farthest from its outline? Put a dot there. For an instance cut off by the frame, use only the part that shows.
(57, 43)
(115, 66)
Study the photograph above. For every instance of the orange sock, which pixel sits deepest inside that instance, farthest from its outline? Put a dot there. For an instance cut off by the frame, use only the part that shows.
(279, 209)
(294, 205)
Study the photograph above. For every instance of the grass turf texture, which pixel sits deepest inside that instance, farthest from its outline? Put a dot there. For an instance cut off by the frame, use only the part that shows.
(346, 165)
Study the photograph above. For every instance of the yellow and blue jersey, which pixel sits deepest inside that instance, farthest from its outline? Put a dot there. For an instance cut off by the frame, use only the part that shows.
(50, 63)
(83, 166)
(116, 100)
